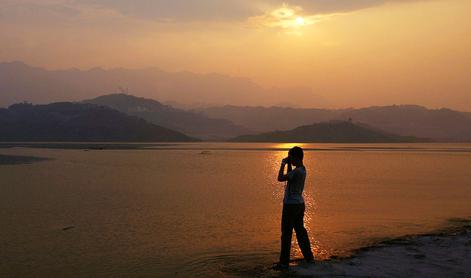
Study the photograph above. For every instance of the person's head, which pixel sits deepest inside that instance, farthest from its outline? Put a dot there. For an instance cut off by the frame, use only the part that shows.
(296, 156)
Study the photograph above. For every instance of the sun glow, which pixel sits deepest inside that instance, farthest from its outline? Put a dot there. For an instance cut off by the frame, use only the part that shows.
(292, 20)
(300, 21)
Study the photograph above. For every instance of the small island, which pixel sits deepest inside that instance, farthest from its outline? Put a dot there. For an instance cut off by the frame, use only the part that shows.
(329, 132)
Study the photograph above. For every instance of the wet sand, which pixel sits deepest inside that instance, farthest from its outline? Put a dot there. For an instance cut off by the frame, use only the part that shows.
(445, 253)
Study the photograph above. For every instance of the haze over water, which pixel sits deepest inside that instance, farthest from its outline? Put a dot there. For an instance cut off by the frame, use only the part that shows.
(214, 208)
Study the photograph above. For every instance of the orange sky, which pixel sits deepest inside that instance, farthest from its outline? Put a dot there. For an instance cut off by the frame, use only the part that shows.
(352, 53)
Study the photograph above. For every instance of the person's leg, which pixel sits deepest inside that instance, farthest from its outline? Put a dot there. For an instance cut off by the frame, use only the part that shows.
(301, 233)
(286, 233)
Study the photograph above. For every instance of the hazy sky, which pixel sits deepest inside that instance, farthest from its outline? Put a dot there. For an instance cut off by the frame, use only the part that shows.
(350, 52)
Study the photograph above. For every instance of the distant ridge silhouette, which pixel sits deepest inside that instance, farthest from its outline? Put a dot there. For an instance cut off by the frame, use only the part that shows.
(79, 122)
(328, 132)
(406, 120)
(20, 82)
(191, 123)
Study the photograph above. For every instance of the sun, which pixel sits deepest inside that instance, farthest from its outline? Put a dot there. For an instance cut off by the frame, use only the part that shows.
(300, 21)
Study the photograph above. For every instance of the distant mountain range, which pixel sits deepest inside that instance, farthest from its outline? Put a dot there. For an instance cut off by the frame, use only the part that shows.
(121, 117)
(191, 123)
(79, 122)
(20, 82)
(328, 132)
(406, 120)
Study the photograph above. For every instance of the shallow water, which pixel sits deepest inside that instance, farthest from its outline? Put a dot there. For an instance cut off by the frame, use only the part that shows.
(213, 209)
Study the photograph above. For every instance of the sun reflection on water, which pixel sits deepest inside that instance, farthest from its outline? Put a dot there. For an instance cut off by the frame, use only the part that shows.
(287, 146)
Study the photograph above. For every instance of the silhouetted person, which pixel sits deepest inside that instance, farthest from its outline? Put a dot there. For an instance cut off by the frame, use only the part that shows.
(293, 207)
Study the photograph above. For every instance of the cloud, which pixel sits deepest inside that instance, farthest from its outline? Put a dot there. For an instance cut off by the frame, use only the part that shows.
(45, 11)
(207, 10)
(176, 10)
(336, 6)
(179, 10)
(288, 18)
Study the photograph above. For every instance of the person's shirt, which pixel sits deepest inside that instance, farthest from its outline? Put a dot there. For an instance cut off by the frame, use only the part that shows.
(294, 188)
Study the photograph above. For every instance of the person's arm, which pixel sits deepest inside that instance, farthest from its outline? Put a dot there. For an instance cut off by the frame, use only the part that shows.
(281, 172)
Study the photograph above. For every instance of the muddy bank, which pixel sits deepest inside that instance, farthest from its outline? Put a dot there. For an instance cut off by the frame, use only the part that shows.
(444, 253)
(17, 159)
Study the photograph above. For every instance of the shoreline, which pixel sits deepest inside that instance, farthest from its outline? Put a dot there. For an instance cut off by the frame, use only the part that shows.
(20, 159)
(245, 146)
(443, 253)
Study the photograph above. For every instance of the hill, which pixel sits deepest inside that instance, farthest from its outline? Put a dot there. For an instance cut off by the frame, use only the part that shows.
(406, 120)
(191, 123)
(78, 122)
(327, 132)
(439, 124)
(264, 119)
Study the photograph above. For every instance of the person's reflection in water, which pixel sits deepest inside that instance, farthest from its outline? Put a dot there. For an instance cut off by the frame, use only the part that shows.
(293, 208)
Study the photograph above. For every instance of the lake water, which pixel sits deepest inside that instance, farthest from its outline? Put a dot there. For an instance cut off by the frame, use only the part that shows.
(213, 209)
